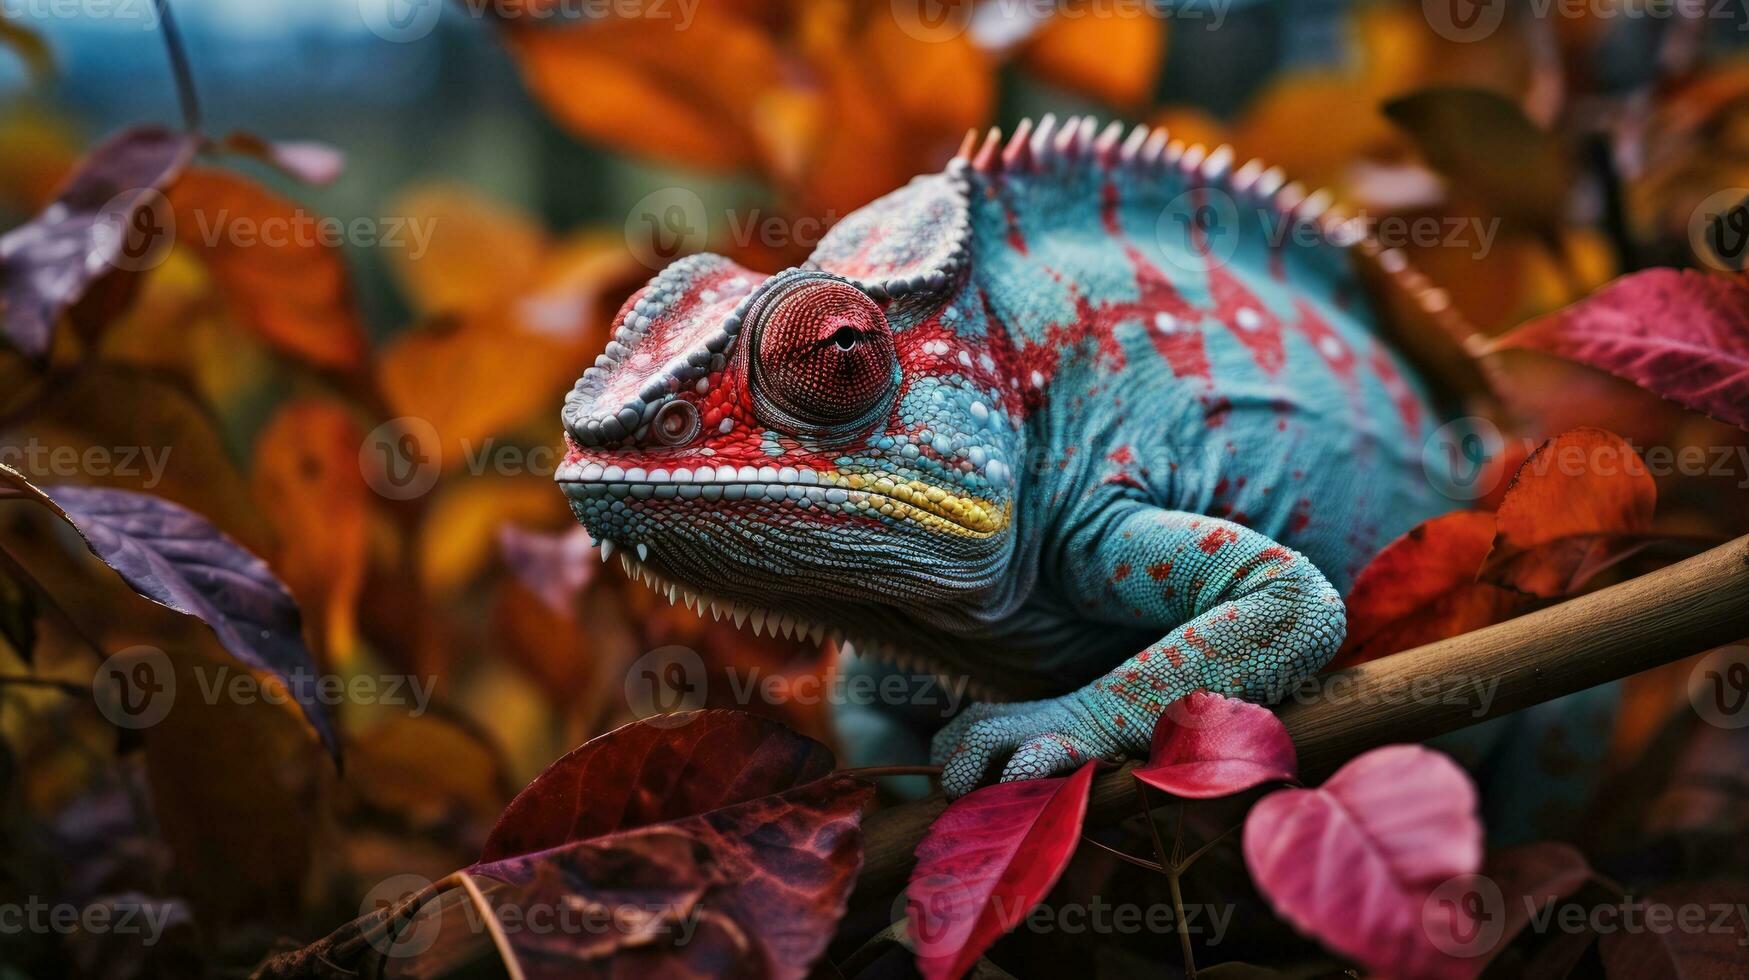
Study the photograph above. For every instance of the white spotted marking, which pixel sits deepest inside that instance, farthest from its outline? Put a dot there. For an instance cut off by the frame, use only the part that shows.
(1249, 319)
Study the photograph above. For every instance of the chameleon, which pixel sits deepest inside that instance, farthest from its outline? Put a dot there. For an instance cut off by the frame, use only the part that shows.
(1090, 419)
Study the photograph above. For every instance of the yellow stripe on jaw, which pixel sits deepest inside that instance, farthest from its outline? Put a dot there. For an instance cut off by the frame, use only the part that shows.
(927, 505)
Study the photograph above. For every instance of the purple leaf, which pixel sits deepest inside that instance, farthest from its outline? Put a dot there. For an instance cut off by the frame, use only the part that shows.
(555, 567)
(107, 216)
(179, 560)
(1681, 334)
(1356, 862)
(1207, 745)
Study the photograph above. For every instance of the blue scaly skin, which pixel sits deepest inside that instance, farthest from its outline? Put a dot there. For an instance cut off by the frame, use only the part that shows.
(1089, 420)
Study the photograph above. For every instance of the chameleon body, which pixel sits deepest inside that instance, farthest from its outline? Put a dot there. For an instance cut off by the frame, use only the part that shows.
(1091, 418)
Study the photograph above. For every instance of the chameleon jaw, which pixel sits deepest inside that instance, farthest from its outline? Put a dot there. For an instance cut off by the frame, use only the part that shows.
(790, 626)
(866, 494)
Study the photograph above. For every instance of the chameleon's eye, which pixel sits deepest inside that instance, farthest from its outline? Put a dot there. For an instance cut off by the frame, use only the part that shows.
(823, 354)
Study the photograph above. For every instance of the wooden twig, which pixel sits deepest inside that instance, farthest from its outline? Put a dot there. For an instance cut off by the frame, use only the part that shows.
(1672, 613)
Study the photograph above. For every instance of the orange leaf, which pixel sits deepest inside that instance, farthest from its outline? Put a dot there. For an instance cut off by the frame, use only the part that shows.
(307, 482)
(275, 262)
(1422, 587)
(1571, 497)
(1114, 58)
(644, 85)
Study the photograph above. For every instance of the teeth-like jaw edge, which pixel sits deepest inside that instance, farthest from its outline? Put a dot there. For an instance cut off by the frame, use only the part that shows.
(785, 624)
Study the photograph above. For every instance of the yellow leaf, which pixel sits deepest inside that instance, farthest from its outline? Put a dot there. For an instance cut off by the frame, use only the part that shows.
(460, 534)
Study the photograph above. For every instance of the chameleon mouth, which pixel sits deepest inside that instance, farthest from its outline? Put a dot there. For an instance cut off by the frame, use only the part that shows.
(867, 494)
(790, 626)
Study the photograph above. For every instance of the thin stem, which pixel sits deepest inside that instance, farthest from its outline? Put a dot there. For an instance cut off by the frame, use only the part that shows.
(1123, 856)
(1153, 828)
(1190, 859)
(10, 564)
(506, 955)
(1172, 880)
(185, 95)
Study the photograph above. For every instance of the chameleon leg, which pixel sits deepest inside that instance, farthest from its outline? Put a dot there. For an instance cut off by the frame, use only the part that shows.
(1247, 617)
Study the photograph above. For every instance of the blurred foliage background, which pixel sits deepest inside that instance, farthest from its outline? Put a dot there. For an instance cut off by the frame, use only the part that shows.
(538, 140)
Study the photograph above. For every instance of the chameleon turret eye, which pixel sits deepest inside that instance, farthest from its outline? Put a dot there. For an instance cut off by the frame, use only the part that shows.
(822, 354)
(676, 423)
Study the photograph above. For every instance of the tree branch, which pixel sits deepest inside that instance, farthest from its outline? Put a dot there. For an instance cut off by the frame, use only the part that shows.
(1672, 613)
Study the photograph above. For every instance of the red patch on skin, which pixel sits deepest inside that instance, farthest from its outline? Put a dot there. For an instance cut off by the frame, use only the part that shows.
(1173, 655)
(1120, 573)
(1217, 539)
(1335, 354)
(1301, 517)
(1016, 240)
(1122, 456)
(1159, 570)
(1143, 657)
(1108, 201)
(1258, 329)
(1408, 406)
(1202, 646)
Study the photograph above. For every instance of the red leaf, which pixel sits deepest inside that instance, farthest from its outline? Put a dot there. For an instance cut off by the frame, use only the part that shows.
(1355, 862)
(778, 868)
(1208, 745)
(107, 216)
(1422, 587)
(1680, 333)
(1529, 877)
(648, 772)
(1566, 511)
(986, 861)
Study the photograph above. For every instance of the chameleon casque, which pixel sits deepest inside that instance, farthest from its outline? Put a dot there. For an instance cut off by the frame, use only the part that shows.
(1091, 418)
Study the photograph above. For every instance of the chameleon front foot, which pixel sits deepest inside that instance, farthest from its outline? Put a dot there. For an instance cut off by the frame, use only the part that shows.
(1029, 741)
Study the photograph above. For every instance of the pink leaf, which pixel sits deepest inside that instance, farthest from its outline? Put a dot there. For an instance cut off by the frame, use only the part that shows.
(1679, 333)
(993, 855)
(1207, 745)
(1356, 862)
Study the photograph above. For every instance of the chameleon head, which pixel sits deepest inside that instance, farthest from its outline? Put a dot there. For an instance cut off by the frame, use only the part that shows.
(793, 447)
